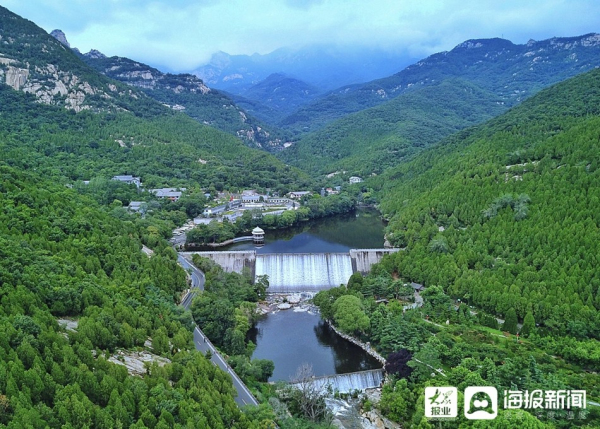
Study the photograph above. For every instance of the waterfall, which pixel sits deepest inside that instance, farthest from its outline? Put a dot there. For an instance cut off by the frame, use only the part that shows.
(346, 383)
(294, 272)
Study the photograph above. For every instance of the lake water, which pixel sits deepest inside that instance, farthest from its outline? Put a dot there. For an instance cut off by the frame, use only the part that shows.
(290, 338)
(360, 230)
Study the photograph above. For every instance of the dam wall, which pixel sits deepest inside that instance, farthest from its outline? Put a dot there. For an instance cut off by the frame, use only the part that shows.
(297, 272)
(363, 259)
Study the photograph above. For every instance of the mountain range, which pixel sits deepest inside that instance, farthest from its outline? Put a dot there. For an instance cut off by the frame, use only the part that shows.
(485, 160)
(324, 67)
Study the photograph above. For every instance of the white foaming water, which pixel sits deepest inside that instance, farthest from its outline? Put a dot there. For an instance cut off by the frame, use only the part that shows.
(294, 272)
(348, 383)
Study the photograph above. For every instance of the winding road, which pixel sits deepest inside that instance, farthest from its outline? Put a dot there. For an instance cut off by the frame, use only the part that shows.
(203, 344)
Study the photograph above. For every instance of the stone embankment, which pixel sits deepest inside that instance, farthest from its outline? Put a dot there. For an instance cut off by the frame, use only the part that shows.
(365, 346)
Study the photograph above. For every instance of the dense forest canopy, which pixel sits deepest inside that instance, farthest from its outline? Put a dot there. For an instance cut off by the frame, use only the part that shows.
(505, 215)
(499, 221)
(372, 140)
(62, 255)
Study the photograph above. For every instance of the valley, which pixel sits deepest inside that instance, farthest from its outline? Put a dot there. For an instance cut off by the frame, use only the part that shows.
(477, 165)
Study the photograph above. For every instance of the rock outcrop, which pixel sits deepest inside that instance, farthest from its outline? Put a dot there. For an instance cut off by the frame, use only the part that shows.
(60, 36)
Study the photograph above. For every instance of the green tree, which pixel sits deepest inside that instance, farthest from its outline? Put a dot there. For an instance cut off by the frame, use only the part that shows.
(510, 321)
(528, 324)
(349, 315)
(397, 400)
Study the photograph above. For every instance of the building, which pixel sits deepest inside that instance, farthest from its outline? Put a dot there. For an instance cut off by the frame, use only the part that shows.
(235, 203)
(254, 198)
(135, 206)
(417, 287)
(277, 200)
(201, 221)
(355, 179)
(172, 194)
(130, 180)
(299, 194)
(214, 211)
(258, 235)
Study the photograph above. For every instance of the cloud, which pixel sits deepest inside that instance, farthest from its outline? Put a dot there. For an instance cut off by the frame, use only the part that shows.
(184, 34)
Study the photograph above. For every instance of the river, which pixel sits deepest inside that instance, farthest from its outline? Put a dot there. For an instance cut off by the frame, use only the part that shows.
(292, 338)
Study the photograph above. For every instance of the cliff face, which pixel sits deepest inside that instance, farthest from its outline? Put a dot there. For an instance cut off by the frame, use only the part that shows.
(143, 76)
(34, 62)
(48, 83)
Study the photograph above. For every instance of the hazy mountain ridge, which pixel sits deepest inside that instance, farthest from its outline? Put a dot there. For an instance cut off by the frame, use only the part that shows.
(188, 93)
(513, 72)
(326, 67)
(279, 93)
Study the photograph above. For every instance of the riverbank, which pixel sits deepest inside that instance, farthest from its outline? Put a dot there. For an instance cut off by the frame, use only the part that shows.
(301, 302)
(365, 346)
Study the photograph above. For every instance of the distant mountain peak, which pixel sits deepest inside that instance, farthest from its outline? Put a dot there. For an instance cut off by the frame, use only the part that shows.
(95, 54)
(493, 43)
(60, 36)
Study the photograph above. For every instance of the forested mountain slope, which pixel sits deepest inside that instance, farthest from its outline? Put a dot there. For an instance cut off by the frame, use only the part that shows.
(505, 215)
(374, 139)
(187, 93)
(278, 95)
(512, 72)
(61, 255)
(168, 150)
(63, 118)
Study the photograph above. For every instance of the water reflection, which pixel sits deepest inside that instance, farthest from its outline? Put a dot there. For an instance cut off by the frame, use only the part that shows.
(360, 230)
(291, 339)
(347, 357)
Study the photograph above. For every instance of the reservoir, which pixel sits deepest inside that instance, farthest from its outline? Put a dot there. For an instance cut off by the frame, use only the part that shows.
(292, 338)
(362, 229)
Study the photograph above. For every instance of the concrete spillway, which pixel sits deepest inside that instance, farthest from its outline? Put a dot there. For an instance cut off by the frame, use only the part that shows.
(347, 383)
(363, 259)
(294, 272)
(231, 262)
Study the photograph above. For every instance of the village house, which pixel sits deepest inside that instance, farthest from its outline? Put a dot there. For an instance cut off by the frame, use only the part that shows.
(135, 206)
(299, 194)
(277, 200)
(214, 211)
(172, 194)
(417, 287)
(129, 180)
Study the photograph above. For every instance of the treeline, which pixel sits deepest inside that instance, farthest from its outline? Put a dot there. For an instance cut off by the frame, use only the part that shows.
(62, 255)
(442, 343)
(312, 207)
(504, 216)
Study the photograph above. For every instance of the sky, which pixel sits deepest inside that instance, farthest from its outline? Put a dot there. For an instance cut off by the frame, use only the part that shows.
(180, 35)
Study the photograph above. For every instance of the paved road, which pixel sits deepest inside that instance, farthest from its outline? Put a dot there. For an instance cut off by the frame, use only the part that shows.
(203, 344)
(197, 281)
(244, 397)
